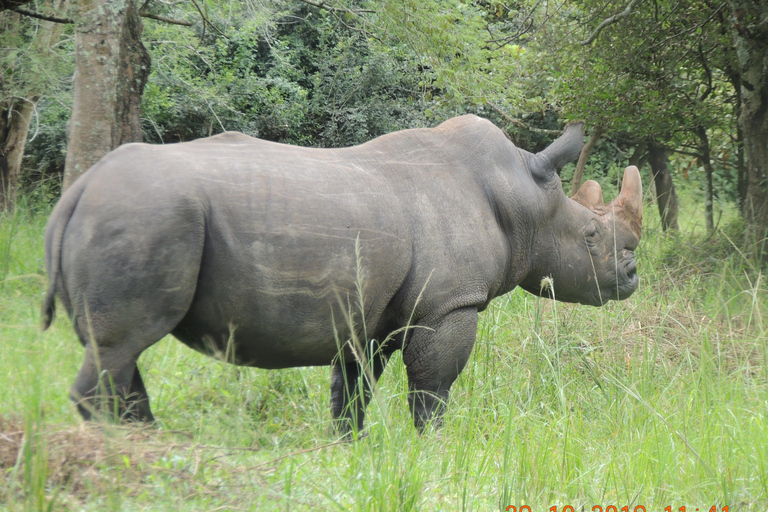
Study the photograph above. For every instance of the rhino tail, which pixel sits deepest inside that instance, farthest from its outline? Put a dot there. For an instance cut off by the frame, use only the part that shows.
(49, 306)
(53, 239)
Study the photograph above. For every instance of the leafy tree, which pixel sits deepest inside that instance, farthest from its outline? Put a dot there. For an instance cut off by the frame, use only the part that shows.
(30, 66)
(749, 28)
(677, 76)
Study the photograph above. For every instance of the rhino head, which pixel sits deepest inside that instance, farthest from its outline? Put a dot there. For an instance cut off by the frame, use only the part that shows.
(585, 251)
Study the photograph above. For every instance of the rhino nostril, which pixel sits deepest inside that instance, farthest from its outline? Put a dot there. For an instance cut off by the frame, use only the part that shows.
(630, 270)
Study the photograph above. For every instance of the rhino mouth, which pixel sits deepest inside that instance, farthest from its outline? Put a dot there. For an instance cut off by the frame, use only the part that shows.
(626, 282)
(630, 280)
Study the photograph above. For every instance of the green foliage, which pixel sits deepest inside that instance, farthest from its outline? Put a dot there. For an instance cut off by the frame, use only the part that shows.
(294, 73)
(658, 73)
(40, 184)
(448, 40)
(36, 63)
(309, 80)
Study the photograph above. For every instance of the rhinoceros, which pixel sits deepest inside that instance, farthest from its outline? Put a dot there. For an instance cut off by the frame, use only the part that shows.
(278, 256)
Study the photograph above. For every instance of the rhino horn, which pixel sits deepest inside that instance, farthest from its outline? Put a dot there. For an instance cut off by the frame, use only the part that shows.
(568, 146)
(562, 151)
(590, 195)
(628, 205)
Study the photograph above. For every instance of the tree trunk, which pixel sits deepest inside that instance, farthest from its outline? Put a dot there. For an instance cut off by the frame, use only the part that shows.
(741, 165)
(666, 197)
(578, 174)
(14, 126)
(111, 70)
(639, 155)
(705, 157)
(750, 30)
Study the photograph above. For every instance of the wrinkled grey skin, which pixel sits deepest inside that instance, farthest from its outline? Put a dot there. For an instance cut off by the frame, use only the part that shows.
(265, 245)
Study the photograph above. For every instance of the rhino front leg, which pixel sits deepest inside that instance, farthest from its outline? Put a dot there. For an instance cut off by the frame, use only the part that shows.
(347, 404)
(434, 358)
(110, 382)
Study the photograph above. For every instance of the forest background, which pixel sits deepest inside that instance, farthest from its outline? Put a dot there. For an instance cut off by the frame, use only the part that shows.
(653, 79)
(658, 401)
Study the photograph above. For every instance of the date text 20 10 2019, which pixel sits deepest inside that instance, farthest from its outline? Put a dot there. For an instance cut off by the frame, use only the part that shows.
(613, 508)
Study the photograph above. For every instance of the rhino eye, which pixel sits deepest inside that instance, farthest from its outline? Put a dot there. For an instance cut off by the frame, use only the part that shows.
(591, 234)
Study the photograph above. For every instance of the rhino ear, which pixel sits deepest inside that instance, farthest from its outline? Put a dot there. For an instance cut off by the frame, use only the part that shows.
(564, 150)
(590, 195)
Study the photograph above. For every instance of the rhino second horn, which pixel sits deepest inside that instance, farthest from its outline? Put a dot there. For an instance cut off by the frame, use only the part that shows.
(590, 195)
(629, 203)
(631, 195)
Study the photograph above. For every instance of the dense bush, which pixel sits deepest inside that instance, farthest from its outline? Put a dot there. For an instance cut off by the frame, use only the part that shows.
(313, 81)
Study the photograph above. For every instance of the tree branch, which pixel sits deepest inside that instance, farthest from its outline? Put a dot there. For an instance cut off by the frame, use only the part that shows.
(707, 73)
(583, 157)
(43, 17)
(54, 19)
(610, 21)
(206, 21)
(521, 124)
(320, 4)
(11, 5)
(166, 20)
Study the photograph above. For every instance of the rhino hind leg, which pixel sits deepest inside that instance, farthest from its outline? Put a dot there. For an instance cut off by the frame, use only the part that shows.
(351, 390)
(434, 358)
(114, 335)
(139, 400)
(127, 289)
(111, 386)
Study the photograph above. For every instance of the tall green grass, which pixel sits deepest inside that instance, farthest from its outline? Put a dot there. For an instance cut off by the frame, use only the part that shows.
(660, 400)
